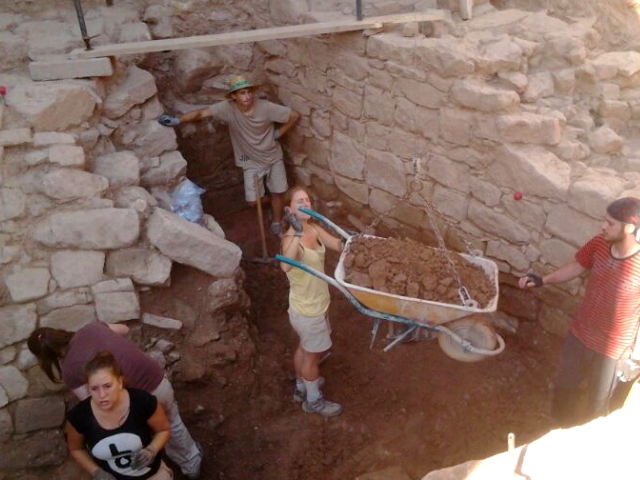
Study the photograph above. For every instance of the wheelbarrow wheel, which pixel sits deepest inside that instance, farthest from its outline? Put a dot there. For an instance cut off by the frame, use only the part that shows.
(477, 333)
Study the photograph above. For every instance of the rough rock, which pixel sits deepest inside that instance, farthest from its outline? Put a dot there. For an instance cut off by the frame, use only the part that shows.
(71, 318)
(137, 87)
(69, 184)
(105, 228)
(191, 244)
(53, 106)
(28, 284)
(72, 268)
(33, 414)
(18, 321)
(144, 266)
(119, 168)
(483, 97)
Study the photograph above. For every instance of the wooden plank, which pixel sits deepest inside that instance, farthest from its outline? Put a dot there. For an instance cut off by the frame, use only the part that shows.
(231, 38)
(60, 69)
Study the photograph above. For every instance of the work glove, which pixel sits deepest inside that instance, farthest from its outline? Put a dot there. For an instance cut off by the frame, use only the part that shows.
(100, 474)
(143, 458)
(535, 279)
(293, 220)
(276, 134)
(168, 120)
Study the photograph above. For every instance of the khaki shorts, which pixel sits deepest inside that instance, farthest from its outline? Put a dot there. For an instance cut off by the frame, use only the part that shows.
(314, 332)
(276, 180)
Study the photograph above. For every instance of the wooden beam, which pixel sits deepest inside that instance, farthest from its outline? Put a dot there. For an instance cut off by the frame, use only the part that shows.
(231, 38)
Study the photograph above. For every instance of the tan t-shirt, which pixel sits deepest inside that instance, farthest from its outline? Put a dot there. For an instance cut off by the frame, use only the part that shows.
(252, 135)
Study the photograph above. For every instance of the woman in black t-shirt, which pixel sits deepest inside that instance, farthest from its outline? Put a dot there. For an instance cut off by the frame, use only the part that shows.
(117, 432)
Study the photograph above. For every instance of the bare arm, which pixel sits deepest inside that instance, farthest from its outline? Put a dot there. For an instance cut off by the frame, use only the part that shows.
(293, 119)
(565, 273)
(159, 423)
(290, 248)
(331, 242)
(77, 450)
(196, 115)
(119, 328)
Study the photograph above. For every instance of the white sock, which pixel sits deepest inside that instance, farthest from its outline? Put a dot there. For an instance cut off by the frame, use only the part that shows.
(300, 385)
(313, 390)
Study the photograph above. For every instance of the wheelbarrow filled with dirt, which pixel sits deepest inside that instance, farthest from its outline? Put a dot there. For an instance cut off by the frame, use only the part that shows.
(418, 292)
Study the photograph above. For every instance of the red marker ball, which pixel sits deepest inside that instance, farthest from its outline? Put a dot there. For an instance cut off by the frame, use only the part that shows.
(517, 196)
(3, 90)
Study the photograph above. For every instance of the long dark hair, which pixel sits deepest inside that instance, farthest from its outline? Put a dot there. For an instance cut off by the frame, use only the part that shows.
(49, 345)
(103, 360)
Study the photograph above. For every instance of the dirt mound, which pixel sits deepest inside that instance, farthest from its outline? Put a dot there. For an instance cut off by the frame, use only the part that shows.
(408, 268)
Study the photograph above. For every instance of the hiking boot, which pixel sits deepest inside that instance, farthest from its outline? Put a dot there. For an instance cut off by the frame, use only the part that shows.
(276, 229)
(322, 407)
(300, 395)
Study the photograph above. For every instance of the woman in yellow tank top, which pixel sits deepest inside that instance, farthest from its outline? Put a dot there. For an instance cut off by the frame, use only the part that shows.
(308, 301)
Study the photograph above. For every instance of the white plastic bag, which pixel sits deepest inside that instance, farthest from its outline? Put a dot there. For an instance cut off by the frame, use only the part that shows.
(185, 201)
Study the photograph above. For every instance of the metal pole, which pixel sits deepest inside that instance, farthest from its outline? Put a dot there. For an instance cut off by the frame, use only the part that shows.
(359, 10)
(83, 26)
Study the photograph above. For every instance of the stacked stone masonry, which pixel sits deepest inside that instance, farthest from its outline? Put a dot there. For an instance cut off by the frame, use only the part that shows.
(80, 232)
(475, 111)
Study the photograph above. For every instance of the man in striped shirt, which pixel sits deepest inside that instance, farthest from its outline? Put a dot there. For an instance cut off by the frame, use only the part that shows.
(605, 326)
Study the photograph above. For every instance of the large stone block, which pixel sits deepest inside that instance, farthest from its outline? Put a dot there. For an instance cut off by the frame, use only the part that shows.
(191, 244)
(68, 298)
(571, 226)
(69, 184)
(450, 202)
(6, 424)
(13, 203)
(15, 137)
(499, 225)
(421, 93)
(53, 106)
(593, 192)
(347, 102)
(378, 105)
(456, 125)
(28, 284)
(415, 119)
(152, 140)
(112, 307)
(13, 383)
(33, 414)
(137, 87)
(385, 171)
(17, 321)
(610, 64)
(72, 268)
(392, 207)
(355, 66)
(532, 170)
(528, 213)
(605, 140)
(529, 128)
(556, 252)
(172, 166)
(449, 173)
(503, 54)
(67, 155)
(40, 449)
(144, 266)
(69, 318)
(448, 57)
(513, 256)
(359, 191)
(483, 97)
(120, 168)
(345, 159)
(391, 46)
(104, 228)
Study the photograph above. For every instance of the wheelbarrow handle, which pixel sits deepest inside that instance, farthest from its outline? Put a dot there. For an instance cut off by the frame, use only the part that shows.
(340, 231)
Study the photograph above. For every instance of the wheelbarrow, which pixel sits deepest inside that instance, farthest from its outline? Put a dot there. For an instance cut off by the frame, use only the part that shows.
(464, 339)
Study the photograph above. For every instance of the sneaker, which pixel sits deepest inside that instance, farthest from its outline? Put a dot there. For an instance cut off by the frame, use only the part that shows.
(276, 229)
(195, 475)
(322, 407)
(300, 395)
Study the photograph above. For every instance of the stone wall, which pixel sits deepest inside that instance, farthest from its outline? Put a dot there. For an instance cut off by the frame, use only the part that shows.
(511, 101)
(85, 179)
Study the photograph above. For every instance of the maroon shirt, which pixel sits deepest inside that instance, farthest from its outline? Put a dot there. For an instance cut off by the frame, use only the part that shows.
(140, 371)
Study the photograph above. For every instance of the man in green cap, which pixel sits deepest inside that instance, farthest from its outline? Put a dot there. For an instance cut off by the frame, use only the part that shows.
(254, 138)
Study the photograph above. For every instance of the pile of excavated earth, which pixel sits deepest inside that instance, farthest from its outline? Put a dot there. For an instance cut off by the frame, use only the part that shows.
(409, 268)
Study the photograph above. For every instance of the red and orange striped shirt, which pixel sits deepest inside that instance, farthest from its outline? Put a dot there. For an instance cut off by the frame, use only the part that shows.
(607, 319)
